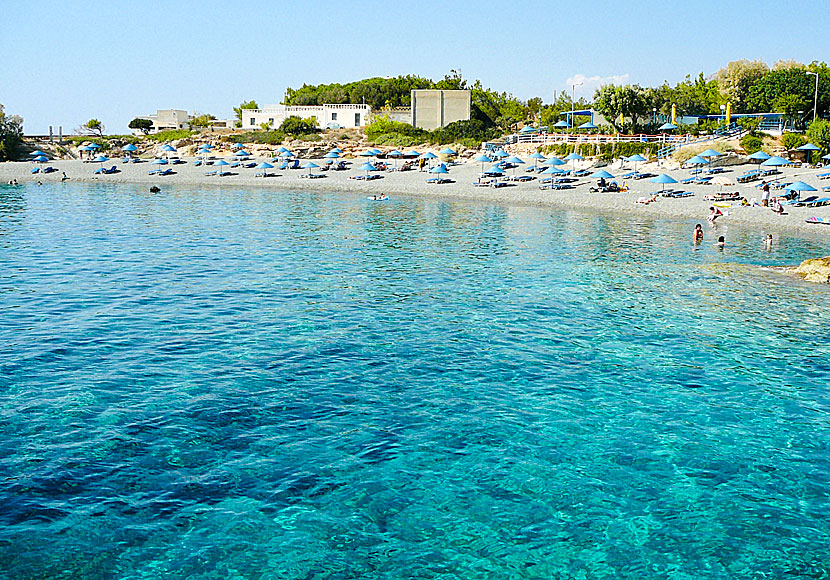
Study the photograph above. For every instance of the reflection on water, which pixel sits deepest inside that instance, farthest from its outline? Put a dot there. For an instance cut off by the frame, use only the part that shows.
(254, 384)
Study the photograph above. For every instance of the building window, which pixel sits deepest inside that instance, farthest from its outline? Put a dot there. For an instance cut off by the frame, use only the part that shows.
(357, 119)
(334, 116)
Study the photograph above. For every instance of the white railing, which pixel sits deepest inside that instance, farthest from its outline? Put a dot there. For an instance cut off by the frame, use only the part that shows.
(596, 139)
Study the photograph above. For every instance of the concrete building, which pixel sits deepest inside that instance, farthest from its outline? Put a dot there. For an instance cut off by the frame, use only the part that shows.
(166, 119)
(433, 108)
(327, 116)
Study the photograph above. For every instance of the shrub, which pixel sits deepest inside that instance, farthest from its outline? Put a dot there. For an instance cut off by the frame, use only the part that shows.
(171, 135)
(819, 134)
(275, 137)
(751, 143)
(790, 141)
(295, 125)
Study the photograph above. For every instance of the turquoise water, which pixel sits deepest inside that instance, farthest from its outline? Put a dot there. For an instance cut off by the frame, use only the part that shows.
(256, 384)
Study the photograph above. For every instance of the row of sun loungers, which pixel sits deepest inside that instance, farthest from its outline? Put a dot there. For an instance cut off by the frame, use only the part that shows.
(755, 174)
(44, 170)
(104, 170)
(674, 193)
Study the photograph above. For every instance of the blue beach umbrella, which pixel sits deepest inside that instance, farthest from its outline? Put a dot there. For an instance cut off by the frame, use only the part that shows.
(93, 146)
(161, 161)
(553, 161)
(237, 145)
(376, 152)
(220, 164)
(800, 186)
(663, 179)
(447, 151)
(667, 127)
(37, 153)
(826, 156)
(264, 166)
(280, 149)
(696, 160)
(808, 147)
(414, 153)
(501, 154)
(760, 156)
(331, 155)
(636, 158)
(775, 162)
(285, 153)
(129, 148)
(310, 165)
(587, 125)
(563, 124)
(367, 167)
(552, 170)
(495, 171)
(367, 153)
(601, 175)
(574, 157)
(336, 150)
(283, 165)
(440, 168)
(483, 159)
(241, 153)
(40, 159)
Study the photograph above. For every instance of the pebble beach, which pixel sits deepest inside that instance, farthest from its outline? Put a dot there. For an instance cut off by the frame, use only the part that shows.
(414, 183)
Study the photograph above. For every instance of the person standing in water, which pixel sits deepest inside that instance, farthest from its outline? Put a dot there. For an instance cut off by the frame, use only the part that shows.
(697, 235)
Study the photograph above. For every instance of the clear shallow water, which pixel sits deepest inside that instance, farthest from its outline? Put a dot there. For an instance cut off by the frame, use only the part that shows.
(243, 384)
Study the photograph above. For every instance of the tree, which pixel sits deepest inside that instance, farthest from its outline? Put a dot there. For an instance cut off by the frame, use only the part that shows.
(790, 141)
(244, 105)
(143, 125)
(534, 106)
(201, 121)
(95, 127)
(819, 134)
(612, 101)
(736, 78)
(295, 125)
(11, 135)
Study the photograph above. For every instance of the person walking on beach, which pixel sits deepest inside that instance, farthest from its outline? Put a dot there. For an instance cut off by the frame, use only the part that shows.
(765, 197)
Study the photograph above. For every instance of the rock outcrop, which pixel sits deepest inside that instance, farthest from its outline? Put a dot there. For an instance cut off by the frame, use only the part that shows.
(815, 270)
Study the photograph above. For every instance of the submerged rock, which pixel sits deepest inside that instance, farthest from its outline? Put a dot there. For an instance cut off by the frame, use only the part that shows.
(815, 270)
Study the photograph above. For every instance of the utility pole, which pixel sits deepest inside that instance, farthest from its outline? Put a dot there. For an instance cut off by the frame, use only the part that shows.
(573, 101)
(815, 101)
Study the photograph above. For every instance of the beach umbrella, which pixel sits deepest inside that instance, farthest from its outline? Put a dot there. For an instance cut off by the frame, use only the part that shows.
(428, 155)
(601, 175)
(501, 154)
(440, 168)
(667, 127)
(800, 186)
(574, 157)
(528, 129)
(495, 171)
(241, 153)
(286, 153)
(587, 125)
(483, 159)
(367, 167)
(160, 161)
(395, 154)
(563, 124)
(237, 145)
(37, 153)
(220, 164)
(553, 161)
(514, 159)
(167, 147)
(447, 151)
(367, 153)
(663, 179)
(310, 165)
(376, 152)
(129, 148)
(536, 156)
(336, 150)
(331, 155)
(775, 162)
(283, 165)
(826, 156)
(759, 156)
(723, 180)
(636, 158)
(40, 159)
(101, 159)
(552, 170)
(711, 153)
(93, 146)
(414, 153)
(264, 166)
(809, 147)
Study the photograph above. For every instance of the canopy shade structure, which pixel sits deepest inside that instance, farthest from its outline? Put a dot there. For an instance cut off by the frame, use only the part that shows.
(483, 159)
(309, 165)
(552, 170)
(663, 178)
(37, 153)
(667, 127)
(169, 148)
(501, 154)
(367, 167)
(587, 125)
(429, 155)
(809, 147)
(553, 161)
(800, 186)
(337, 150)
(440, 168)
(561, 124)
(711, 153)
(636, 158)
(574, 157)
(331, 155)
(514, 159)
(760, 156)
(536, 155)
(129, 148)
(775, 162)
(447, 151)
(601, 175)
(40, 159)
(696, 160)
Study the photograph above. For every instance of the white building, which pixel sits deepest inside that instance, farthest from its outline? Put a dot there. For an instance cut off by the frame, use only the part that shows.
(327, 116)
(166, 119)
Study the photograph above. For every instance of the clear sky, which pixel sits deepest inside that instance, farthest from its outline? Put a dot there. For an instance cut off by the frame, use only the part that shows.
(64, 62)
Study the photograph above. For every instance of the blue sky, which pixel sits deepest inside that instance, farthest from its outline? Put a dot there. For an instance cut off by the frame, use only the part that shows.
(66, 62)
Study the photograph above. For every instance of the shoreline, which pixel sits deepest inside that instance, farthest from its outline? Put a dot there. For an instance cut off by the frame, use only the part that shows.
(413, 183)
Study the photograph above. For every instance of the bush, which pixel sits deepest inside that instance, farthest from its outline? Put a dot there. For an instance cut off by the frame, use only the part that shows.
(751, 143)
(275, 137)
(171, 135)
(819, 134)
(295, 125)
(790, 141)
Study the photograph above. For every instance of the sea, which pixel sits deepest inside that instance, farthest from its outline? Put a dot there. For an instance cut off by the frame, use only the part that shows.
(260, 384)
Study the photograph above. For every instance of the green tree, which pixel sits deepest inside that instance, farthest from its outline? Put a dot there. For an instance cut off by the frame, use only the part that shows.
(736, 78)
(628, 100)
(791, 141)
(95, 127)
(244, 105)
(11, 135)
(818, 133)
(143, 125)
(201, 121)
(294, 125)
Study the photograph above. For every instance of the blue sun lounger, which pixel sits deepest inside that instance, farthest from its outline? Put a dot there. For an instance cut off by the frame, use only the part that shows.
(823, 175)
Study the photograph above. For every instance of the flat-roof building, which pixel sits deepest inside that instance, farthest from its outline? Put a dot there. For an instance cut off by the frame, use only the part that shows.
(167, 119)
(327, 116)
(434, 108)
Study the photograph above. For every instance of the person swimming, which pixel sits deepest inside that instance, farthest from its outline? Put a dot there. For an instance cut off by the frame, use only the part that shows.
(721, 242)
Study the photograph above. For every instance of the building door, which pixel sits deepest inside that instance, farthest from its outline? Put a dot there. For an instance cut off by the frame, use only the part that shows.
(357, 119)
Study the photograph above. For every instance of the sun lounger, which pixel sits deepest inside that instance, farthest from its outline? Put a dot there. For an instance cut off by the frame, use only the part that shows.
(581, 173)
(801, 202)
(36, 170)
(214, 172)
(678, 194)
(823, 175)
(439, 180)
(167, 171)
(818, 202)
(818, 220)
(521, 178)
(49, 170)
